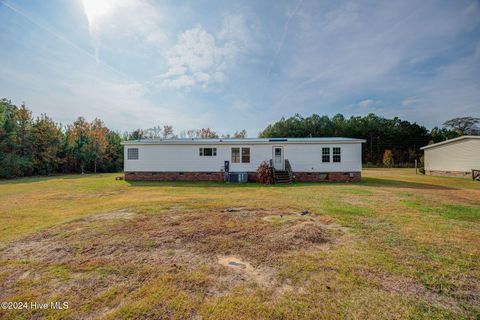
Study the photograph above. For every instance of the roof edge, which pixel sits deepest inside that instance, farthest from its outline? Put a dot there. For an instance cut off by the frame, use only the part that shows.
(448, 141)
(242, 141)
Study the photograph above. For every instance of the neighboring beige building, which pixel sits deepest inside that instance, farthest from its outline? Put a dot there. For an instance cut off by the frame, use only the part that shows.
(455, 157)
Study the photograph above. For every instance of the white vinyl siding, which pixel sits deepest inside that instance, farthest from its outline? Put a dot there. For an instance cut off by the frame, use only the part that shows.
(303, 157)
(462, 156)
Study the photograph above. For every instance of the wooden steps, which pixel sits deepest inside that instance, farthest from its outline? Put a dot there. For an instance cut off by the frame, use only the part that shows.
(282, 176)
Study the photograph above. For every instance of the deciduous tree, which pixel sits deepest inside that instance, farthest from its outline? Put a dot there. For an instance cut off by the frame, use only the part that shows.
(167, 132)
(240, 134)
(388, 158)
(97, 145)
(464, 125)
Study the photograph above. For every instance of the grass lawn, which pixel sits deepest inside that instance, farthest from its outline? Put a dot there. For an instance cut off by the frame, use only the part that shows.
(396, 245)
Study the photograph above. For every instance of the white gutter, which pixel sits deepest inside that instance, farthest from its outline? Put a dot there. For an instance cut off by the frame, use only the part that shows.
(448, 141)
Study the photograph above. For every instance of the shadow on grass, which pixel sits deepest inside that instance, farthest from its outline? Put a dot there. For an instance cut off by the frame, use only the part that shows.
(72, 176)
(368, 182)
(193, 184)
(392, 183)
(196, 184)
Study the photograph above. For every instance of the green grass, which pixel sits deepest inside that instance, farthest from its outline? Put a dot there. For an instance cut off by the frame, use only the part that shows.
(400, 246)
(450, 211)
(467, 213)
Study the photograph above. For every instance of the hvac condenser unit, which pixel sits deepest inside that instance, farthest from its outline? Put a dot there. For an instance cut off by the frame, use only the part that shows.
(237, 177)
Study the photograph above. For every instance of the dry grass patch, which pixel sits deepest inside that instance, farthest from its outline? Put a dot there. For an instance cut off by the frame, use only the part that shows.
(394, 246)
(201, 253)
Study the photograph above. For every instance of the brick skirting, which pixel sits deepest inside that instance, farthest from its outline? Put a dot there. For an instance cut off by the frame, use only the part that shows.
(459, 174)
(327, 176)
(252, 176)
(175, 176)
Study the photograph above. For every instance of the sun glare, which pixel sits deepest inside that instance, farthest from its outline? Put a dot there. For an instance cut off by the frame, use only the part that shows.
(94, 9)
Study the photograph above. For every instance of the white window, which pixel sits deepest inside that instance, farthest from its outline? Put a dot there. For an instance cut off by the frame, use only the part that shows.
(325, 154)
(208, 152)
(245, 155)
(132, 153)
(241, 155)
(235, 155)
(337, 156)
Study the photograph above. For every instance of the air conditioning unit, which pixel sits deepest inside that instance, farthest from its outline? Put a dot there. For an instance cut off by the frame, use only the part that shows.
(237, 177)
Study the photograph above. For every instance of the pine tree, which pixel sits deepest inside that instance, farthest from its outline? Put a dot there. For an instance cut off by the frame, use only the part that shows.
(78, 140)
(47, 136)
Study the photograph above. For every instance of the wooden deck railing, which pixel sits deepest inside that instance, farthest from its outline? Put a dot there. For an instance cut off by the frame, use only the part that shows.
(288, 168)
(272, 168)
(475, 175)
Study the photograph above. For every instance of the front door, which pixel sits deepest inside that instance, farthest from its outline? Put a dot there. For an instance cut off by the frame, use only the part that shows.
(278, 162)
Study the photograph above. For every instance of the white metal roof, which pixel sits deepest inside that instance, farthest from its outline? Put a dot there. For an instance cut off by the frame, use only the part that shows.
(449, 141)
(244, 141)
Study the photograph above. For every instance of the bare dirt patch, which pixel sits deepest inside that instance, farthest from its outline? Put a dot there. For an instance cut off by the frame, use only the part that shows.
(88, 257)
(261, 275)
(301, 235)
(127, 236)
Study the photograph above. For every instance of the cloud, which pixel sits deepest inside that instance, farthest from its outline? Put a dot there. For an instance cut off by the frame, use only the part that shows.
(410, 101)
(364, 104)
(155, 38)
(124, 19)
(131, 108)
(394, 58)
(453, 92)
(95, 93)
(282, 38)
(345, 17)
(368, 105)
(240, 105)
(235, 33)
(393, 51)
(199, 58)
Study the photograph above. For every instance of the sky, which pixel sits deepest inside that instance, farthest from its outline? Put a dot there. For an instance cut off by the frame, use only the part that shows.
(232, 65)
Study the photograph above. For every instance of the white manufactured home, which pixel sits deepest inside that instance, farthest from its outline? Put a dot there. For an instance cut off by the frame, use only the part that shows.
(305, 159)
(455, 157)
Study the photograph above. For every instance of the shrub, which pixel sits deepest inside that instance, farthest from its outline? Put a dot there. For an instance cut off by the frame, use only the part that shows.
(422, 160)
(264, 173)
(388, 158)
(421, 168)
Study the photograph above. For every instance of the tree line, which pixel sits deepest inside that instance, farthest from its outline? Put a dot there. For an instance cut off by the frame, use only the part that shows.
(41, 146)
(401, 138)
(167, 132)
